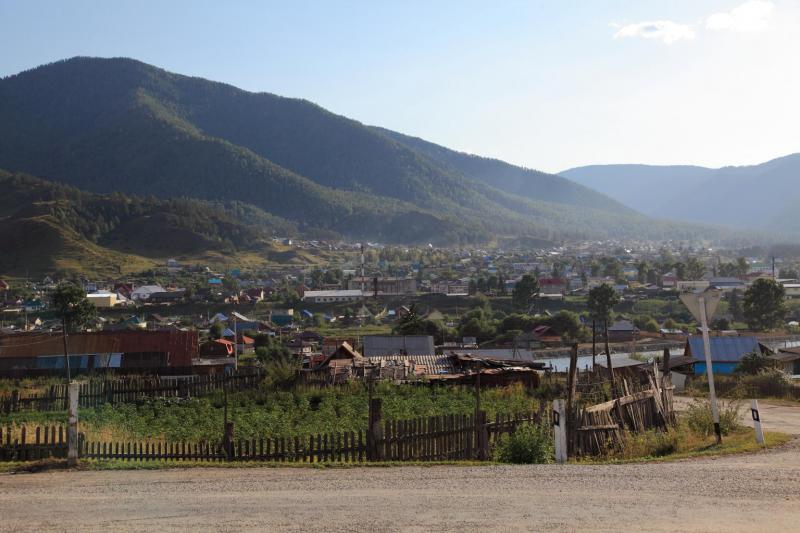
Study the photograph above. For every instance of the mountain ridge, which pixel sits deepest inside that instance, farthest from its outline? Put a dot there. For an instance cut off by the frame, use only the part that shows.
(748, 196)
(108, 125)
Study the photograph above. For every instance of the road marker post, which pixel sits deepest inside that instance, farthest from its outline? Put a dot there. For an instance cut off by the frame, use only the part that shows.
(560, 430)
(756, 421)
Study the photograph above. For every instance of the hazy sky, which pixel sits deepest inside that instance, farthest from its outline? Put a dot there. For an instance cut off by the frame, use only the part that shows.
(549, 85)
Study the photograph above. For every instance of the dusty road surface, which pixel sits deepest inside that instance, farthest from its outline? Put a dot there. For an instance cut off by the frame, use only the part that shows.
(759, 492)
(781, 416)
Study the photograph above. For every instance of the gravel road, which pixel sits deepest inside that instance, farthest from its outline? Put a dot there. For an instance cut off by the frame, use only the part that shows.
(759, 492)
(756, 492)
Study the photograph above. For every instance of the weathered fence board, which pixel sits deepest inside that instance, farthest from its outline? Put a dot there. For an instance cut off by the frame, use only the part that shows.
(438, 438)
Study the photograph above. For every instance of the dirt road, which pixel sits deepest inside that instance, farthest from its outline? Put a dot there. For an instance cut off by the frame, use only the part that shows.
(758, 492)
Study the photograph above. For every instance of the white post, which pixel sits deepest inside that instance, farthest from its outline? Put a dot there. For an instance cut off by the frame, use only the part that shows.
(72, 430)
(560, 430)
(235, 345)
(712, 393)
(756, 421)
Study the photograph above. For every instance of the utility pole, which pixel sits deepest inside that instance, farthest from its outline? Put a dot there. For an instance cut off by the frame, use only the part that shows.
(702, 305)
(66, 347)
(235, 344)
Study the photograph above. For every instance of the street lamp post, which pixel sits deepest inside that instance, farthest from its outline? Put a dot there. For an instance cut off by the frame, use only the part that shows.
(702, 305)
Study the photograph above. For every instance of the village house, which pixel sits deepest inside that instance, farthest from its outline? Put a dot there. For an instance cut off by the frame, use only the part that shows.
(142, 293)
(332, 296)
(726, 352)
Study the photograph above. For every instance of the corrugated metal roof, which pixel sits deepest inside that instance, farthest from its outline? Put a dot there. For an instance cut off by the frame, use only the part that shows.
(382, 345)
(619, 362)
(723, 349)
(433, 364)
(181, 346)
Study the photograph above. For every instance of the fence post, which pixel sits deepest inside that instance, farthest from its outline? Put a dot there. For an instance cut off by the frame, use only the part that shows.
(560, 430)
(374, 430)
(72, 431)
(572, 379)
(228, 440)
(756, 421)
(482, 437)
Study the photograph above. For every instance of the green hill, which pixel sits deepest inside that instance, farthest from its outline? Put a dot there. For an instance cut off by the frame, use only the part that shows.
(51, 227)
(119, 125)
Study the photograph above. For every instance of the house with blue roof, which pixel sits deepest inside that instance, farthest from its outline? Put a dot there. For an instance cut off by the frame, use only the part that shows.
(726, 352)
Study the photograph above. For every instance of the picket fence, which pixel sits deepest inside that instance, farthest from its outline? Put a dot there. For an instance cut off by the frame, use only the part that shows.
(47, 441)
(95, 393)
(438, 438)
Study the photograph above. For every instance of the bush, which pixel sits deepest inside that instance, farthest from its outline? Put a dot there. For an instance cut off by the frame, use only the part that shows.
(529, 444)
(754, 363)
(651, 443)
(701, 422)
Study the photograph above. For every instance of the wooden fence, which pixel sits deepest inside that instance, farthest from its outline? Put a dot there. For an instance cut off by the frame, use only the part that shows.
(438, 438)
(600, 427)
(94, 393)
(47, 441)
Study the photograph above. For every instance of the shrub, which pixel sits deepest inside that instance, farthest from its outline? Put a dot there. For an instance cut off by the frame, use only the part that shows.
(701, 422)
(651, 443)
(754, 363)
(529, 444)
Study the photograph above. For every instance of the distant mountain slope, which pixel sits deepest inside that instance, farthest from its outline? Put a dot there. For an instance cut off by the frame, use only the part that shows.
(759, 196)
(51, 226)
(108, 125)
(512, 179)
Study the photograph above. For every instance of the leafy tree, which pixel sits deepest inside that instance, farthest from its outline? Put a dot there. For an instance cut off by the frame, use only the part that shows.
(754, 363)
(216, 329)
(601, 302)
(735, 305)
(721, 324)
(742, 267)
(764, 305)
(270, 348)
(695, 269)
(72, 307)
(525, 292)
(413, 324)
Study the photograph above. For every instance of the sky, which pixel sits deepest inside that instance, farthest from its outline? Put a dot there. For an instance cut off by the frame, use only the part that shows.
(544, 84)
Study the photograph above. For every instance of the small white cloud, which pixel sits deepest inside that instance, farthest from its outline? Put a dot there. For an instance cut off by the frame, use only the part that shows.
(749, 17)
(665, 31)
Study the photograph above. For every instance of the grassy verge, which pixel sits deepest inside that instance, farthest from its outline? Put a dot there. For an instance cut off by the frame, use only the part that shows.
(649, 448)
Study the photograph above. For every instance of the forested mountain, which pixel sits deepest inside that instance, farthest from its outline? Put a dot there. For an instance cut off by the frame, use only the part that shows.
(761, 196)
(119, 125)
(46, 224)
(510, 178)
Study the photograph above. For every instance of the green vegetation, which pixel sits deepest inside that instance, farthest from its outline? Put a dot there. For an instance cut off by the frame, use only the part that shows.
(529, 444)
(275, 413)
(764, 305)
(71, 305)
(700, 421)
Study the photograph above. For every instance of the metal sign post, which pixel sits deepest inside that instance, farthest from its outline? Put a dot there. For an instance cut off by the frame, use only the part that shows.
(703, 305)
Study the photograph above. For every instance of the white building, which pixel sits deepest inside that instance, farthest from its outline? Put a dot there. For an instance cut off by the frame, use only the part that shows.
(350, 295)
(141, 294)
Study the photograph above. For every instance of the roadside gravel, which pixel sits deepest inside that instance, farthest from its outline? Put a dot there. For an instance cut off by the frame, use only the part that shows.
(758, 492)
